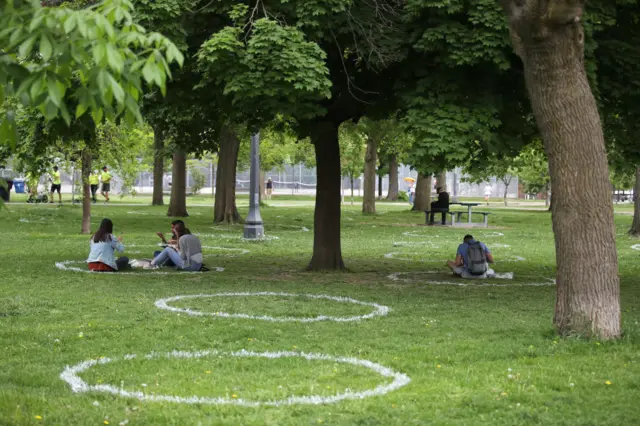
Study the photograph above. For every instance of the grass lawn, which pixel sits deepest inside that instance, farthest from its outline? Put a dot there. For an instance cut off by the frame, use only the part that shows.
(476, 354)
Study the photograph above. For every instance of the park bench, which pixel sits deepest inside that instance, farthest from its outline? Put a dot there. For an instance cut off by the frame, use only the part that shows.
(485, 215)
(443, 211)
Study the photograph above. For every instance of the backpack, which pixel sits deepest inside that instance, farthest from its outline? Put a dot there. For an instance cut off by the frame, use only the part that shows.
(477, 259)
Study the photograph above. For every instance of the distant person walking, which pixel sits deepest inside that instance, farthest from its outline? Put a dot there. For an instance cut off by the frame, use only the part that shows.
(106, 183)
(94, 181)
(488, 190)
(411, 191)
(472, 260)
(269, 188)
(56, 184)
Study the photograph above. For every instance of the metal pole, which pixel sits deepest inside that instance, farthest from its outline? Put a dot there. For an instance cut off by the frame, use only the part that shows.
(253, 227)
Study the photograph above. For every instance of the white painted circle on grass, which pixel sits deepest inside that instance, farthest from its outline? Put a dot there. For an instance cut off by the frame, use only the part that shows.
(396, 255)
(636, 247)
(462, 282)
(66, 266)
(240, 237)
(70, 376)
(379, 310)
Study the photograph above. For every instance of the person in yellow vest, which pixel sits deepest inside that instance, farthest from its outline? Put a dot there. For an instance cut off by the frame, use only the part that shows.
(94, 181)
(106, 183)
(56, 184)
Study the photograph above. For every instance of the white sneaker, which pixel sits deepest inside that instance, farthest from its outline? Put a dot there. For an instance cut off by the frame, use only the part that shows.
(150, 266)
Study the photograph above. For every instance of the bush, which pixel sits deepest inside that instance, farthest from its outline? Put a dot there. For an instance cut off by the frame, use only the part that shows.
(198, 180)
(403, 196)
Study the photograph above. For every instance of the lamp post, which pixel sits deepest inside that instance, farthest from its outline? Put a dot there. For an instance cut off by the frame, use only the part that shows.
(253, 227)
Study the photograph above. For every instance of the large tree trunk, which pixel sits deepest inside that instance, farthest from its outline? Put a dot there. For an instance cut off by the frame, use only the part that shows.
(635, 227)
(422, 201)
(370, 162)
(225, 210)
(441, 180)
(393, 179)
(158, 167)
(86, 191)
(178, 201)
(549, 38)
(327, 253)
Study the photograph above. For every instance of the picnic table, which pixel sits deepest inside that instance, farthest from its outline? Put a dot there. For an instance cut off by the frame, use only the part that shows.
(469, 206)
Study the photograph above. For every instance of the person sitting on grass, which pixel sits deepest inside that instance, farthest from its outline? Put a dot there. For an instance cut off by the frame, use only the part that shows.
(187, 256)
(172, 242)
(103, 246)
(472, 260)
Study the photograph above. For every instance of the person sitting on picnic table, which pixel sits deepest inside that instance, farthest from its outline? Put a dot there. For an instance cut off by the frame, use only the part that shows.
(187, 256)
(103, 247)
(441, 205)
(472, 260)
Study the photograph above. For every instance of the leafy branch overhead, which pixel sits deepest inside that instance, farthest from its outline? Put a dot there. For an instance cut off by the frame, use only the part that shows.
(267, 68)
(98, 57)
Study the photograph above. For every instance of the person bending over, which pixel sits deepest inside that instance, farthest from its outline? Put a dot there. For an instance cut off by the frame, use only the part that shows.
(472, 260)
(103, 247)
(188, 254)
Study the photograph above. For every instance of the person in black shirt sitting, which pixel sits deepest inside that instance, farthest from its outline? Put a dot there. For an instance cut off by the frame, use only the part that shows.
(441, 205)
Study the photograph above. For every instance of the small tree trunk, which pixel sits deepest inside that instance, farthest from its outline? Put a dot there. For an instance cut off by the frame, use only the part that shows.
(441, 180)
(393, 179)
(635, 227)
(178, 201)
(327, 252)
(224, 209)
(547, 199)
(86, 191)
(158, 167)
(422, 200)
(351, 178)
(379, 185)
(550, 41)
(506, 182)
(263, 187)
(370, 161)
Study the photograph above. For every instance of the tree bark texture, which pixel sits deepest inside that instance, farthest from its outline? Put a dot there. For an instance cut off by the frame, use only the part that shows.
(370, 163)
(380, 186)
(635, 227)
(86, 160)
(327, 252)
(263, 187)
(224, 209)
(506, 183)
(549, 38)
(178, 201)
(351, 180)
(158, 168)
(441, 180)
(393, 193)
(422, 201)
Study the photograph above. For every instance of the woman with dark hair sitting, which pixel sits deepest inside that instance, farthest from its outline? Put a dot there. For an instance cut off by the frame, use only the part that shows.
(103, 247)
(187, 256)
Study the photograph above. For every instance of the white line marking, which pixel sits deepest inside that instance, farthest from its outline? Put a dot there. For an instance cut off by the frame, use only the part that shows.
(394, 255)
(380, 310)
(64, 266)
(636, 247)
(397, 276)
(70, 376)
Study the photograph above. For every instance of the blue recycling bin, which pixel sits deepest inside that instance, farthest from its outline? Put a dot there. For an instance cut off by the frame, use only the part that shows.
(18, 184)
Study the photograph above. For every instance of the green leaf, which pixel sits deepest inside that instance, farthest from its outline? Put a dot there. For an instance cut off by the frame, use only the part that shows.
(70, 24)
(49, 110)
(115, 58)
(118, 92)
(149, 72)
(81, 109)
(46, 49)
(27, 46)
(56, 91)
